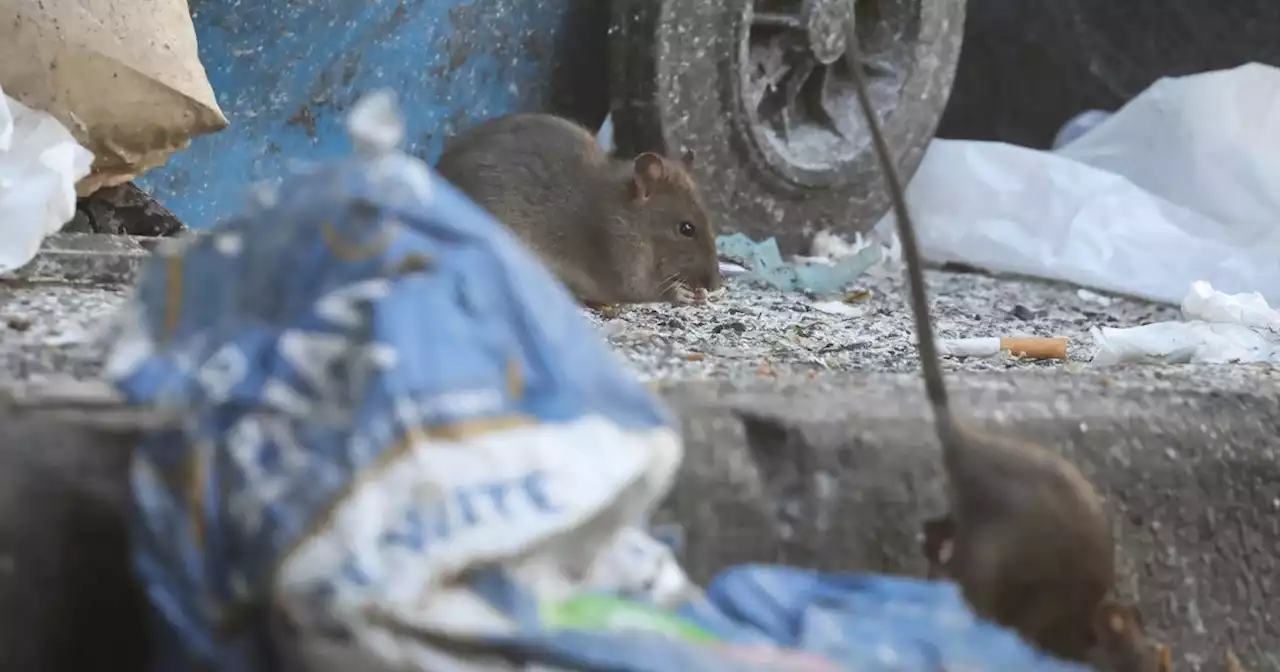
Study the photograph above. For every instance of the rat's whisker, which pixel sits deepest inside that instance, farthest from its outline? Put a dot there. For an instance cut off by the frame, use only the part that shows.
(666, 284)
(675, 282)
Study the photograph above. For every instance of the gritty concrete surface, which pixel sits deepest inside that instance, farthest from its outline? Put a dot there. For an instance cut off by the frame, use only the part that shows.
(48, 328)
(834, 471)
(751, 332)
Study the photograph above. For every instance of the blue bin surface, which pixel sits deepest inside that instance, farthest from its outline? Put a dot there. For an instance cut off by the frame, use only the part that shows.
(286, 72)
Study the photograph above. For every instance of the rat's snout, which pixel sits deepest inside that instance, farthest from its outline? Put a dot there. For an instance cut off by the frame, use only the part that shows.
(712, 279)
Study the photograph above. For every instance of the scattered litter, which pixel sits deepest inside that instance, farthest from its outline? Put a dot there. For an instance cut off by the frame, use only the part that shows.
(1251, 310)
(1094, 297)
(388, 360)
(1179, 185)
(730, 269)
(751, 326)
(839, 308)
(40, 163)
(818, 275)
(1019, 346)
(832, 246)
(1218, 328)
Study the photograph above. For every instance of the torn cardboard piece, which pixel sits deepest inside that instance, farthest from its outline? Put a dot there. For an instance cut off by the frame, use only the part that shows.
(124, 77)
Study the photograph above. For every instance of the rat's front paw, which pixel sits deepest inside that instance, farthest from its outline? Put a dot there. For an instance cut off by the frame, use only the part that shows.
(681, 295)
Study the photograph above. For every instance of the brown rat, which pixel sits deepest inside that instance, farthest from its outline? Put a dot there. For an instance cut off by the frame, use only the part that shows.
(1031, 547)
(1119, 641)
(613, 231)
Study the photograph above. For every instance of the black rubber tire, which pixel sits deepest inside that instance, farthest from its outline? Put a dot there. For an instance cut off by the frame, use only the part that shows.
(1030, 65)
(676, 85)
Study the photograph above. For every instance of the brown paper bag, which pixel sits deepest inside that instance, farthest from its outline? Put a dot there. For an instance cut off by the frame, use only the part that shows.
(122, 75)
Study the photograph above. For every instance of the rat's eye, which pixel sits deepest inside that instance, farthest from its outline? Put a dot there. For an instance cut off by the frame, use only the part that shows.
(686, 229)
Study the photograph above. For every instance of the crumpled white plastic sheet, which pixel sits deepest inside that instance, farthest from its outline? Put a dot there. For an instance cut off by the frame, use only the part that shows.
(40, 164)
(1182, 184)
(1219, 328)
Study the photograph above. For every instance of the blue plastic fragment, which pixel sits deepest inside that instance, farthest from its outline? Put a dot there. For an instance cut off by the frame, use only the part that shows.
(766, 267)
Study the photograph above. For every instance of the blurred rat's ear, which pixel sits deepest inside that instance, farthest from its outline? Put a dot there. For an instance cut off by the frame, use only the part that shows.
(1114, 622)
(649, 169)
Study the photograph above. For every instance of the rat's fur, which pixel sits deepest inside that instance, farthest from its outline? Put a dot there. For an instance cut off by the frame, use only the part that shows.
(1119, 641)
(609, 229)
(1030, 544)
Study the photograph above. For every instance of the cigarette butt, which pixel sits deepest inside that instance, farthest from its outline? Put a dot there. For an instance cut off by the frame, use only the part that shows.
(1036, 347)
(969, 347)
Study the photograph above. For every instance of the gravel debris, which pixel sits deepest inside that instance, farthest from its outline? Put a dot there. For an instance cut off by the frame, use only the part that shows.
(751, 332)
(48, 329)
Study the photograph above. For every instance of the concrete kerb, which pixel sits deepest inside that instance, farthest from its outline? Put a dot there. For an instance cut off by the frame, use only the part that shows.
(86, 258)
(838, 473)
(834, 473)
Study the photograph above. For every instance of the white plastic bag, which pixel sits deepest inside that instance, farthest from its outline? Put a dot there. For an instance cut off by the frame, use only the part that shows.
(1182, 184)
(1207, 142)
(40, 164)
(1219, 328)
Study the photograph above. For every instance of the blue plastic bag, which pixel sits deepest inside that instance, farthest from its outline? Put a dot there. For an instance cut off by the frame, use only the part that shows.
(396, 416)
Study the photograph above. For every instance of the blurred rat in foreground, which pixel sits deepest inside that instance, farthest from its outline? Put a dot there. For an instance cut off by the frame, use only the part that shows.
(1027, 537)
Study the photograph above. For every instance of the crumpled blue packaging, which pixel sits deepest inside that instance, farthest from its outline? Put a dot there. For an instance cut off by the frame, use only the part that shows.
(762, 617)
(361, 305)
(390, 404)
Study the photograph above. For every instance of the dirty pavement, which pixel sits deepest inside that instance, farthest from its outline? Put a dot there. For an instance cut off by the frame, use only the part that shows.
(292, 401)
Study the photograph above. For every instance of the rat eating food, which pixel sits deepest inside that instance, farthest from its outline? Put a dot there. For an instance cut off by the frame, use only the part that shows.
(1027, 539)
(613, 231)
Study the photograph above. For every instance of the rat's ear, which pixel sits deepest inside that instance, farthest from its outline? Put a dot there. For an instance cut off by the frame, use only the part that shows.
(1113, 622)
(648, 170)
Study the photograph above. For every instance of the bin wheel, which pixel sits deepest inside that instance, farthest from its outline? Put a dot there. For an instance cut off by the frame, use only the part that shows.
(758, 91)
